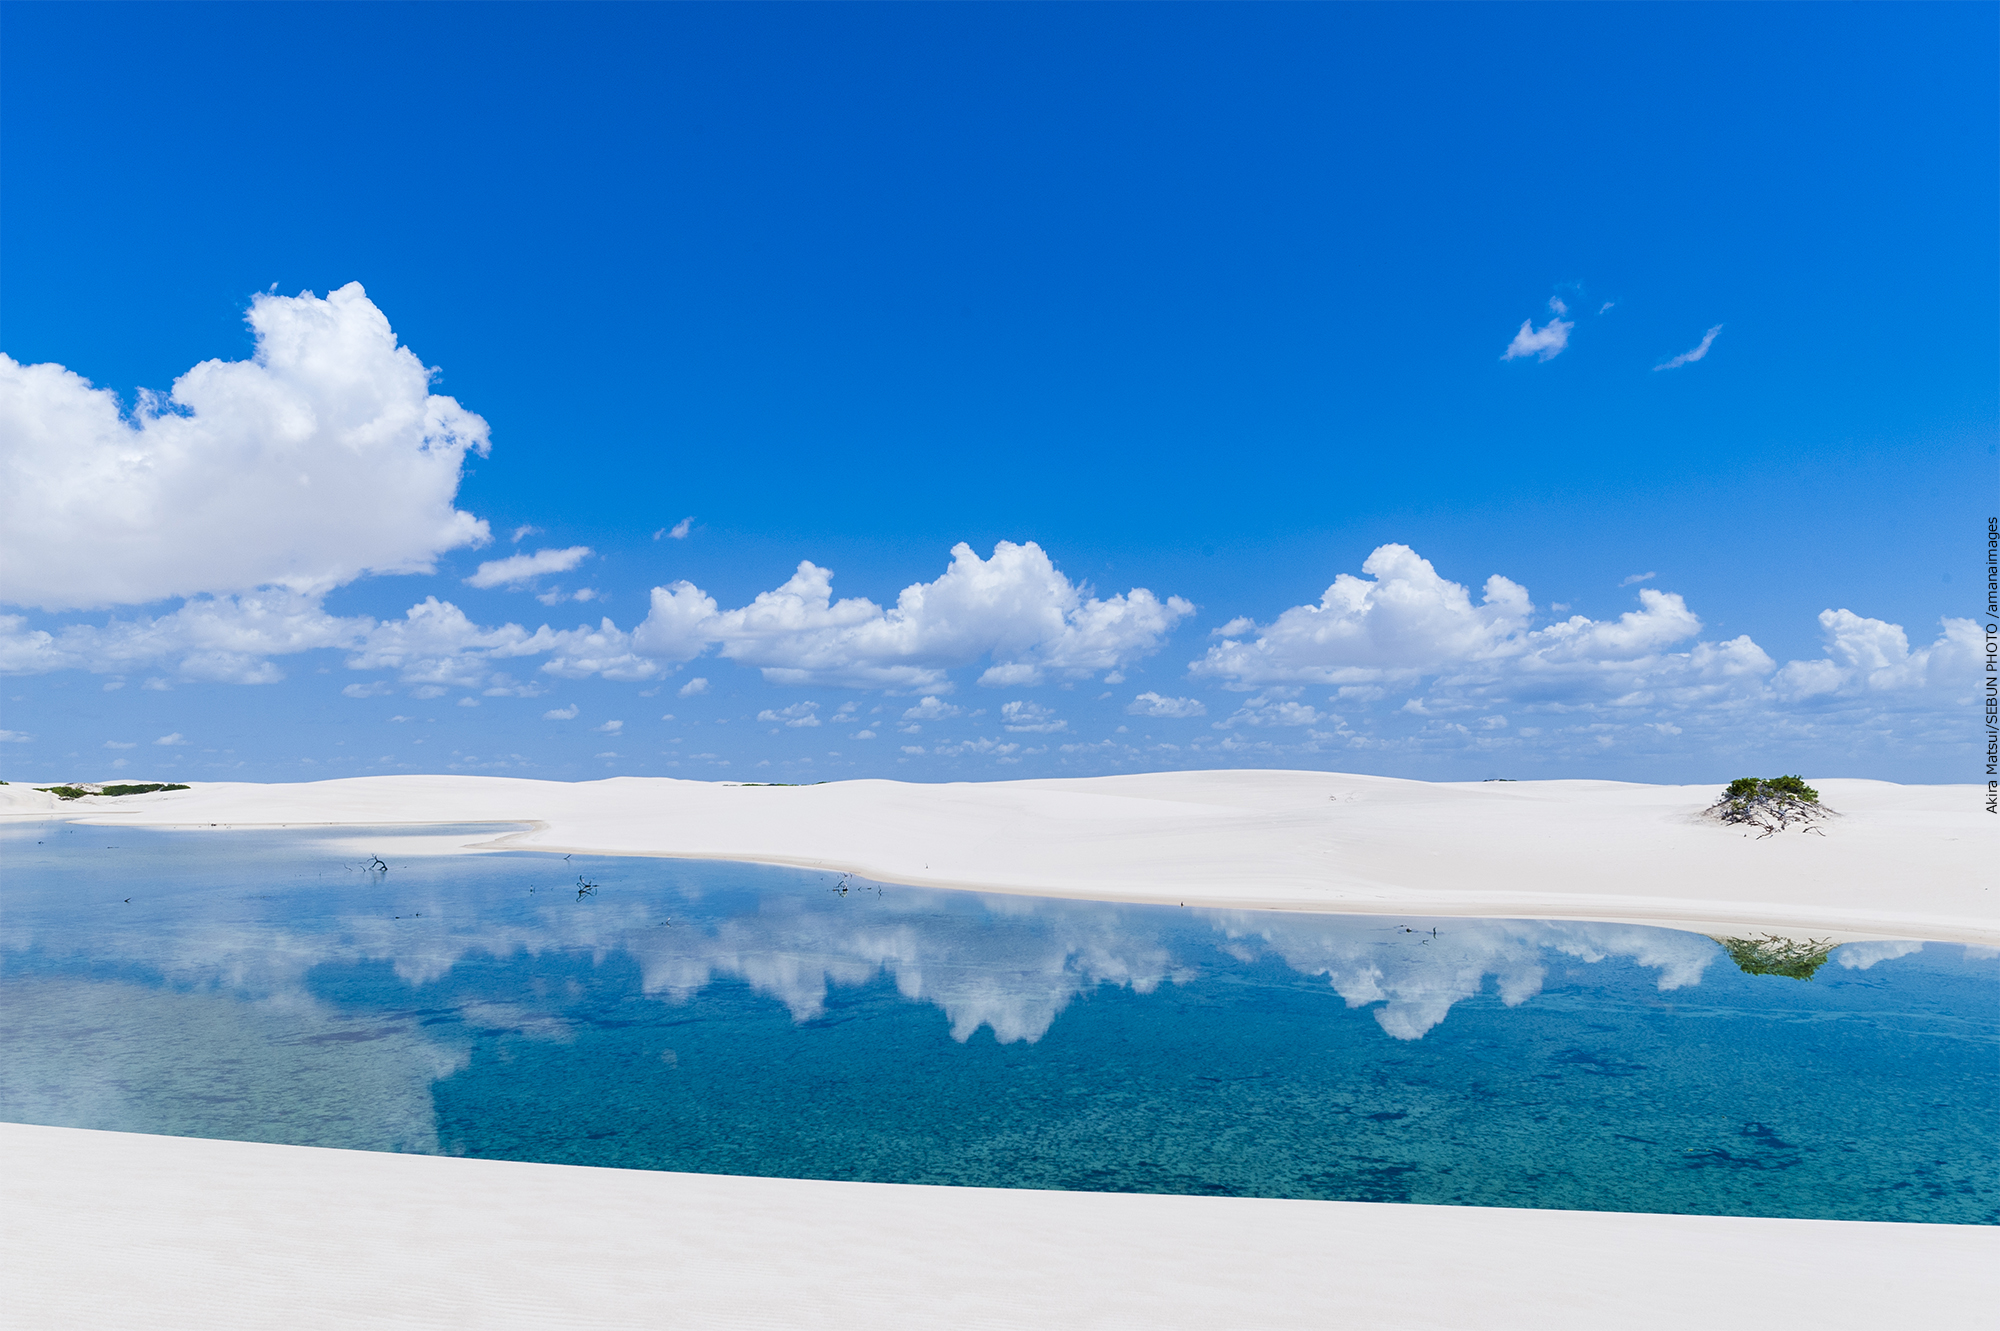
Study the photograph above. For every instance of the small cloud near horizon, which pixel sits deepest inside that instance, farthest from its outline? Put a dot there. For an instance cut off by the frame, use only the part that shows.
(1690, 357)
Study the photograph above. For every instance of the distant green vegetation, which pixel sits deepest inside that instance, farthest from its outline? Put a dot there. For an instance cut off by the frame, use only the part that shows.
(136, 788)
(1793, 958)
(1746, 788)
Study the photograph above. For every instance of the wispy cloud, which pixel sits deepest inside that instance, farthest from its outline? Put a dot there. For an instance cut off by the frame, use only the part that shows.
(678, 532)
(1546, 342)
(560, 713)
(520, 568)
(1690, 357)
(1634, 579)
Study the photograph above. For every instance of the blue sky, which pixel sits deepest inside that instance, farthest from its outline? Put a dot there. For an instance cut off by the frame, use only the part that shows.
(1210, 301)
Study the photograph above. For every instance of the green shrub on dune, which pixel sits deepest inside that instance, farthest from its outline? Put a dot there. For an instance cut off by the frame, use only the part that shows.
(1746, 788)
(1772, 803)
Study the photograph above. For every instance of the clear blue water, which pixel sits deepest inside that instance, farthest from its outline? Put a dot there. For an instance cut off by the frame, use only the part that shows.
(741, 1019)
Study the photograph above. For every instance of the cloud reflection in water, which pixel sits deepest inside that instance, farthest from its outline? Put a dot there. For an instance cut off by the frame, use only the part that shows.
(1007, 963)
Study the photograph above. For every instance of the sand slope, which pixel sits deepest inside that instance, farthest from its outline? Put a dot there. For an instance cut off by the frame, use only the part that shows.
(1901, 861)
(116, 1230)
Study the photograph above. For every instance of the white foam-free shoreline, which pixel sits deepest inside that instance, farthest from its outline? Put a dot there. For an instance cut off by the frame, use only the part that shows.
(118, 1230)
(1899, 861)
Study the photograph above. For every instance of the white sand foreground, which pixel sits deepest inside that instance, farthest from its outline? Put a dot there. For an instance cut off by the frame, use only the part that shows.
(1899, 861)
(114, 1230)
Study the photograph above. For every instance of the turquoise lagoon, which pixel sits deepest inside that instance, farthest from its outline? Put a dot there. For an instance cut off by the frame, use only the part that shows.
(743, 1019)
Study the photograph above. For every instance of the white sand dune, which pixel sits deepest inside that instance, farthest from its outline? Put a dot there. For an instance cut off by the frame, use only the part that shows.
(106, 1229)
(1900, 861)
(117, 1230)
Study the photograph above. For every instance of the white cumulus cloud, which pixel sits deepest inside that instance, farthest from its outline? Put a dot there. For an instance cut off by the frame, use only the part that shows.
(323, 457)
(436, 644)
(1476, 669)
(1016, 609)
(1406, 620)
(1867, 656)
